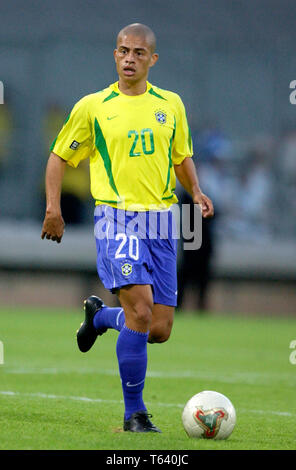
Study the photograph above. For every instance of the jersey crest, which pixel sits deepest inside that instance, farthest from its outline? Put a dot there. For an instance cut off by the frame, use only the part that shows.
(160, 117)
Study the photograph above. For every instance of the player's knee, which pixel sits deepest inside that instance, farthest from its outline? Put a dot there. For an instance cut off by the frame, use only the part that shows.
(142, 313)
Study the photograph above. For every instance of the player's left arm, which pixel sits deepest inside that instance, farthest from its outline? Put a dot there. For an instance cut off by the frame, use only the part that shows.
(187, 176)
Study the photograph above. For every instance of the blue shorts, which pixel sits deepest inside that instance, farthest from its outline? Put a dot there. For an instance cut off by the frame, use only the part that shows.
(137, 248)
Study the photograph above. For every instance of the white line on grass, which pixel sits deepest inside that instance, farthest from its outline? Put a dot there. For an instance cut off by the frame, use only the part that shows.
(234, 377)
(84, 399)
(50, 396)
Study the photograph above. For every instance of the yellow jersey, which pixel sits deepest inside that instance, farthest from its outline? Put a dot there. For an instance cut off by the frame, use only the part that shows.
(132, 143)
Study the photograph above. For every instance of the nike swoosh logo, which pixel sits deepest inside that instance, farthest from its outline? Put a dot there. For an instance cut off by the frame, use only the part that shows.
(128, 384)
(111, 117)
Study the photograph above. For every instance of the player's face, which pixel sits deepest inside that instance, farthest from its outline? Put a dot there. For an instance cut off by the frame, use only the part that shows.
(133, 58)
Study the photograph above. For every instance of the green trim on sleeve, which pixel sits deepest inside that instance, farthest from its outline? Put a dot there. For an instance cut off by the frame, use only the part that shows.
(189, 137)
(53, 144)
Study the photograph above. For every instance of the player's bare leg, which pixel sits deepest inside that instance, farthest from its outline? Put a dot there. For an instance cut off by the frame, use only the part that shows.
(142, 315)
(161, 324)
(137, 303)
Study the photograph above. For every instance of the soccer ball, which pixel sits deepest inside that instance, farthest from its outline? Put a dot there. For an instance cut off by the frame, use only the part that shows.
(209, 415)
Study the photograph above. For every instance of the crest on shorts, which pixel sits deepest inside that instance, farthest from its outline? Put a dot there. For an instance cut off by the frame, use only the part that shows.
(161, 117)
(126, 269)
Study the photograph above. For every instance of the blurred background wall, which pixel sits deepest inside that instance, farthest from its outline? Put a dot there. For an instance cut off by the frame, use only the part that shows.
(232, 63)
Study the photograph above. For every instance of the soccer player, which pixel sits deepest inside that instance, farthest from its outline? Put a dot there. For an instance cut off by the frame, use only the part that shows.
(137, 139)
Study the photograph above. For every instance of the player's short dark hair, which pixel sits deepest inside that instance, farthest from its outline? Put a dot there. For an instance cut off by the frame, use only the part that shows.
(142, 30)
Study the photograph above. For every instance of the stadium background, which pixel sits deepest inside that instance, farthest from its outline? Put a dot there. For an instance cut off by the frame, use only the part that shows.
(232, 63)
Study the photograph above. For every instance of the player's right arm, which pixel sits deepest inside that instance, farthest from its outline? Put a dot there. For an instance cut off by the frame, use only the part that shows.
(73, 144)
(53, 224)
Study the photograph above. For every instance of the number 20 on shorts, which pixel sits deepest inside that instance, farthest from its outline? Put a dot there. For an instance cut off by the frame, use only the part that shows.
(127, 244)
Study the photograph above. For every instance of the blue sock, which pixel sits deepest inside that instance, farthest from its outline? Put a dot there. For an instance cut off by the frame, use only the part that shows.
(109, 317)
(131, 349)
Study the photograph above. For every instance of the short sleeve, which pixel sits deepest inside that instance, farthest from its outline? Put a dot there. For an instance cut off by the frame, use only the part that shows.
(74, 141)
(182, 143)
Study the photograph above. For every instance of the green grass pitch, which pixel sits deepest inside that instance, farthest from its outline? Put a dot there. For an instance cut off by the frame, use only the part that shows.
(54, 397)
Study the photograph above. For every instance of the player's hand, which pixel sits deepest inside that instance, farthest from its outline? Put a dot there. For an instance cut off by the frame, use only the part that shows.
(205, 203)
(53, 227)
